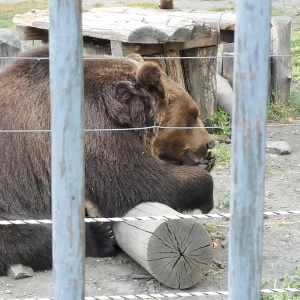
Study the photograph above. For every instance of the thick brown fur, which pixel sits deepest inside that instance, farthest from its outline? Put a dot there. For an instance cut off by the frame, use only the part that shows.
(121, 170)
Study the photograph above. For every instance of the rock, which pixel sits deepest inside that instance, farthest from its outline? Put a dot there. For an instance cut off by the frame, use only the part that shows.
(269, 194)
(278, 147)
(222, 138)
(19, 271)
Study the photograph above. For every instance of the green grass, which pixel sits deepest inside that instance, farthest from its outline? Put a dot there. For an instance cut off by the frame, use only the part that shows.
(295, 100)
(283, 113)
(222, 152)
(220, 119)
(295, 50)
(224, 202)
(140, 4)
(98, 4)
(272, 170)
(277, 13)
(222, 8)
(290, 281)
(9, 10)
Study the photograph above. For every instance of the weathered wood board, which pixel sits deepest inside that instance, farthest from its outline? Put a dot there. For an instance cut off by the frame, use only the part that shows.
(177, 253)
(144, 26)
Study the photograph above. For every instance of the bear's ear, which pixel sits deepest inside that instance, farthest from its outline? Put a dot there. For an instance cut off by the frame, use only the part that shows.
(135, 57)
(148, 75)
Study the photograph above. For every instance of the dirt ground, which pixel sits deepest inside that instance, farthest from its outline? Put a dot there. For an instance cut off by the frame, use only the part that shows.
(120, 275)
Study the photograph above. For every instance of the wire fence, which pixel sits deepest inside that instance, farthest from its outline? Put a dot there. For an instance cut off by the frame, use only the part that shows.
(151, 218)
(163, 217)
(175, 295)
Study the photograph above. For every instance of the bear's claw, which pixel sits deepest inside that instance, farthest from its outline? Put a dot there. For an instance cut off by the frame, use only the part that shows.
(208, 162)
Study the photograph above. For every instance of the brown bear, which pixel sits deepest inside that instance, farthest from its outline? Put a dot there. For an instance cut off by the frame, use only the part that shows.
(123, 168)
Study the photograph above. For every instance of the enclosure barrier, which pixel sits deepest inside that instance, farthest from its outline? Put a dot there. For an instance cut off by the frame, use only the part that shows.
(278, 213)
(174, 295)
(250, 83)
(164, 217)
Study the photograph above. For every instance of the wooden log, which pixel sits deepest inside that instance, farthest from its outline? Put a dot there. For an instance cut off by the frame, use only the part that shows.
(174, 68)
(93, 46)
(166, 4)
(200, 78)
(281, 70)
(227, 62)
(177, 253)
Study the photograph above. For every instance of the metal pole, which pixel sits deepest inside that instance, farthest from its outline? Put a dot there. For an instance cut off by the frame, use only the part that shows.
(251, 78)
(66, 71)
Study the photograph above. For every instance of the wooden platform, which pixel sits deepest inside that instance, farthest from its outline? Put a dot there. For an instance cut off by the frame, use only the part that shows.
(134, 25)
(120, 31)
(152, 32)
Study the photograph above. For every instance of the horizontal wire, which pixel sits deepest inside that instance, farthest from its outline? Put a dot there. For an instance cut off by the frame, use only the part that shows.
(229, 55)
(151, 218)
(141, 128)
(171, 295)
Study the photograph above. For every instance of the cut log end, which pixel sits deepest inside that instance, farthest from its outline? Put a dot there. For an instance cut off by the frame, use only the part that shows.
(176, 252)
(179, 253)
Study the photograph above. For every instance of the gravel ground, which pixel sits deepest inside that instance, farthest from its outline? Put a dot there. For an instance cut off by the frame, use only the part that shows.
(120, 275)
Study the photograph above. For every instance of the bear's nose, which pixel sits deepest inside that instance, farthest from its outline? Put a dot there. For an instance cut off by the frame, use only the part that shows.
(211, 144)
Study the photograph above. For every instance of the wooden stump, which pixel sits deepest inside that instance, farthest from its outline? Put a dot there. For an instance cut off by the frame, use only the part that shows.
(176, 252)
(281, 69)
(200, 78)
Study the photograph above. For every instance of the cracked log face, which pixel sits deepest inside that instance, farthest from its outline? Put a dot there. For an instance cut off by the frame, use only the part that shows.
(179, 253)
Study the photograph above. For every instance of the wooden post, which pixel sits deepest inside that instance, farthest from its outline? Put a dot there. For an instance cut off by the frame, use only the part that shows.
(177, 253)
(227, 61)
(281, 69)
(200, 78)
(9, 46)
(166, 4)
(174, 68)
(66, 82)
(251, 63)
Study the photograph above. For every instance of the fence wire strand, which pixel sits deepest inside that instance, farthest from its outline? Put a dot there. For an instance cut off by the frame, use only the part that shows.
(142, 128)
(171, 295)
(151, 218)
(227, 56)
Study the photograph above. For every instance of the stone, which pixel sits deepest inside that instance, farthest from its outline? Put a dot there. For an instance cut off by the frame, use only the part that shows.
(278, 147)
(19, 271)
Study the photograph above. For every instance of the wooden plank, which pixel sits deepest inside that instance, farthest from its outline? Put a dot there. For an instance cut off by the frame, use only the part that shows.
(281, 69)
(200, 78)
(144, 26)
(67, 137)
(248, 147)
(195, 43)
(176, 252)
(27, 33)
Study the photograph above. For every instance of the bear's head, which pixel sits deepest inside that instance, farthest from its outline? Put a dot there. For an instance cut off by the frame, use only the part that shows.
(180, 146)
